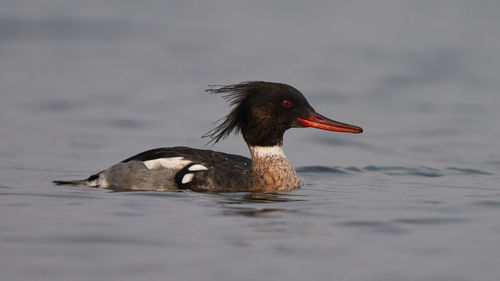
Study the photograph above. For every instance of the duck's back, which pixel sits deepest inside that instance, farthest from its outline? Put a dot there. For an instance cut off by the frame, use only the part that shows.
(177, 168)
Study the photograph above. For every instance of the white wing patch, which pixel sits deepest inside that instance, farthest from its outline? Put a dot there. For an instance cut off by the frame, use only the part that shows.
(187, 178)
(176, 163)
(197, 167)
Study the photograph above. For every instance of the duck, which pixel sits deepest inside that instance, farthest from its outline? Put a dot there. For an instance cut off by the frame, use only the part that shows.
(261, 111)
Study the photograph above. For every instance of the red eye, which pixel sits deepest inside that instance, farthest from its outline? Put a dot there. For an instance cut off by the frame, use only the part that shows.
(286, 103)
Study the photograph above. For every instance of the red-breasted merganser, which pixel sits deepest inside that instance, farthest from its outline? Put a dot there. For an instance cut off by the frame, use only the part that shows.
(262, 112)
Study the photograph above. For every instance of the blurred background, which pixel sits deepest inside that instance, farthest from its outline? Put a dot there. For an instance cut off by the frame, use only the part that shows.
(85, 84)
(417, 75)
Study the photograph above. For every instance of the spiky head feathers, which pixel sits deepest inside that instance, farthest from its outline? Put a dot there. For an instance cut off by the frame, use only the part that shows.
(262, 111)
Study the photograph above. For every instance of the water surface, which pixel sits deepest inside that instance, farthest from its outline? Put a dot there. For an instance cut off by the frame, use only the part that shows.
(84, 85)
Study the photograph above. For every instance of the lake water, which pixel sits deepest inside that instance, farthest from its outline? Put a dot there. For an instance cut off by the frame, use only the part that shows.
(85, 84)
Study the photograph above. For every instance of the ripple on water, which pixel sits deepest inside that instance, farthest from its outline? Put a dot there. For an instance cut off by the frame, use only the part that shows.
(405, 171)
(468, 171)
(375, 226)
(422, 171)
(489, 203)
(73, 195)
(430, 221)
(105, 239)
(321, 169)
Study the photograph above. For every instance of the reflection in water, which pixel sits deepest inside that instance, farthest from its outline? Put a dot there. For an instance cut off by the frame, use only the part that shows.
(257, 197)
(169, 193)
(250, 212)
(228, 200)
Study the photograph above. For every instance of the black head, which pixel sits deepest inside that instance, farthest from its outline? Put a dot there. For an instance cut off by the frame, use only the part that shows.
(263, 111)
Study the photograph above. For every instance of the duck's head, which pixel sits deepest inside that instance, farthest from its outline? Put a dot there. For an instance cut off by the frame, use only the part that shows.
(263, 111)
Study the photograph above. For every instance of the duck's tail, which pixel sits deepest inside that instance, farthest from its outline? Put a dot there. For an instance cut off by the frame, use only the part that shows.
(72, 182)
(90, 181)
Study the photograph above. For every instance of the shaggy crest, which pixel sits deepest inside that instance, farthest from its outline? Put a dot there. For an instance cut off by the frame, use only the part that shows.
(235, 95)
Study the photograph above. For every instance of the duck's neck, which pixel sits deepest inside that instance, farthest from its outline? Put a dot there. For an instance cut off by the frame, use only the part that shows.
(271, 171)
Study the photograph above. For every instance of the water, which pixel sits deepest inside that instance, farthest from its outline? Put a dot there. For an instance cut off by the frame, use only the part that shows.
(84, 85)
